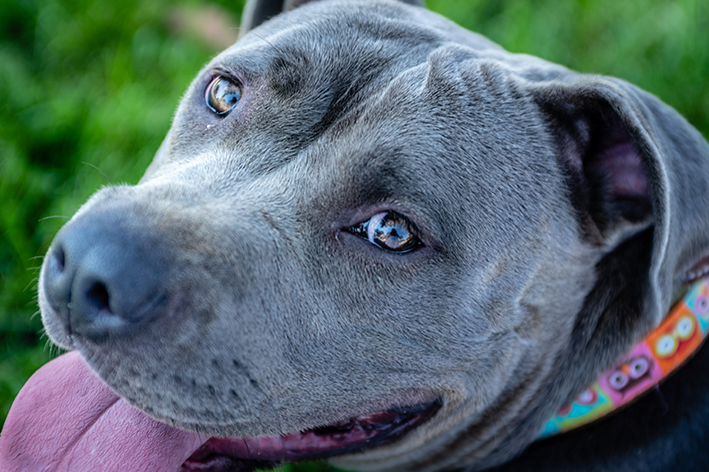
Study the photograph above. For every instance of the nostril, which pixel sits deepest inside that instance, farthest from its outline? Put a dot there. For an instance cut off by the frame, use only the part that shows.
(57, 278)
(97, 296)
(59, 257)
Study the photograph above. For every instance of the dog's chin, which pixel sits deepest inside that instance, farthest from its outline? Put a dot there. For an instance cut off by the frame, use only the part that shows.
(356, 434)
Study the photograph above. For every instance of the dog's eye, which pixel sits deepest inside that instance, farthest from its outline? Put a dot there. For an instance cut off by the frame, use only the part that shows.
(389, 230)
(222, 95)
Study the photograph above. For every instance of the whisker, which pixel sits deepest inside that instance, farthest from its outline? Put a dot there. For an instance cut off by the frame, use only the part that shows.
(278, 51)
(52, 349)
(102, 172)
(32, 282)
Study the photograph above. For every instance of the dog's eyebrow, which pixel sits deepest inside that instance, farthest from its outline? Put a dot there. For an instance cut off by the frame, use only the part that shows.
(334, 91)
(287, 70)
(381, 174)
(347, 98)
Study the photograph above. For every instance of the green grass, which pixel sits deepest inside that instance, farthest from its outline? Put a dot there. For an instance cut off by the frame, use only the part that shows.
(87, 84)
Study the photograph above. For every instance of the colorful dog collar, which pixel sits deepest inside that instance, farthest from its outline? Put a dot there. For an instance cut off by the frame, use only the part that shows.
(658, 355)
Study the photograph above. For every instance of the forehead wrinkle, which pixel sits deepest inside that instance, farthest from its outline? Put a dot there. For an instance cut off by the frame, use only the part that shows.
(247, 55)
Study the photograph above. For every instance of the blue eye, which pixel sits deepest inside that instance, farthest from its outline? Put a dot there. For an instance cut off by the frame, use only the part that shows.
(222, 95)
(389, 230)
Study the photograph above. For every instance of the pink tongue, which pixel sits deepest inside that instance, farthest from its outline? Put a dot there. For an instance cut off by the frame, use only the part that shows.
(66, 419)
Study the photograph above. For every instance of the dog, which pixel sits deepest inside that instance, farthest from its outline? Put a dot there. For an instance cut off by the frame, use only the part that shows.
(374, 237)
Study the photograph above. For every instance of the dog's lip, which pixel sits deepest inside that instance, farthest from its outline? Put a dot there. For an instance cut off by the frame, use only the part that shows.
(65, 416)
(357, 433)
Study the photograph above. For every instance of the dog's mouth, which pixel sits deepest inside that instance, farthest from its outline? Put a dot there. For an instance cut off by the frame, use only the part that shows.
(66, 418)
(245, 454)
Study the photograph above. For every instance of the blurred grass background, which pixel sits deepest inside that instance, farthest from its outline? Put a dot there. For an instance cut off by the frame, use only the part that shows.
(87, 84)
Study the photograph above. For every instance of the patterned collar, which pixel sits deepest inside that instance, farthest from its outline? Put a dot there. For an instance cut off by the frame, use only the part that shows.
(649, 362)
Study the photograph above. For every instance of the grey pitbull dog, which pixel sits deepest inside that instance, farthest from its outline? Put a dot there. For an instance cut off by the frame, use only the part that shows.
(373, 235)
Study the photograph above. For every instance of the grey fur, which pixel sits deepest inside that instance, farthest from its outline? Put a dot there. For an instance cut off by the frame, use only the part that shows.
(279, 320)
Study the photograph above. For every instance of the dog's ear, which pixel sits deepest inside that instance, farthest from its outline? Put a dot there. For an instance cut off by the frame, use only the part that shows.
(605, 156)
(258, 11)
(638, 178)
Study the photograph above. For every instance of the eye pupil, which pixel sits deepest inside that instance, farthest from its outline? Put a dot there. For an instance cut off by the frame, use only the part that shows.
(387, 235)
(222, 95)
(390, 230)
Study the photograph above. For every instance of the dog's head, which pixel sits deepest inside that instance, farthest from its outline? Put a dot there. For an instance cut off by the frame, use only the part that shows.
(378, 234)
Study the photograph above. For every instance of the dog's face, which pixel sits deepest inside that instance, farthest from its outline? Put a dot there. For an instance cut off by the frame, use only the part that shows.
(363, 211)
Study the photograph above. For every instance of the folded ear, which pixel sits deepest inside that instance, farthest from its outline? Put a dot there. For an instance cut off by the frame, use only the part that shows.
(606, 156)
(258, 11)
(638, 178)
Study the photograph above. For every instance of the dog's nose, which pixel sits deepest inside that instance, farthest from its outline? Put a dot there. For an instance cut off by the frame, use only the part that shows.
(105, 276)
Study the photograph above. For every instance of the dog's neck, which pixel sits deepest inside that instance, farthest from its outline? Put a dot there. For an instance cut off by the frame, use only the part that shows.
(650, 361)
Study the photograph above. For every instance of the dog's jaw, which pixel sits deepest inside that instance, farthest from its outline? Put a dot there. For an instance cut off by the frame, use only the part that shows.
(362, 432)
(65, 436)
